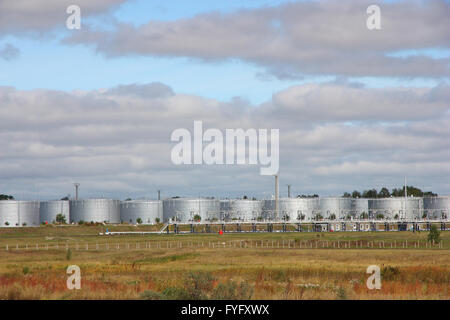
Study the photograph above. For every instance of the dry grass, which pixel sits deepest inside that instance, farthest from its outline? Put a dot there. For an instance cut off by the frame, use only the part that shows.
(264, 273)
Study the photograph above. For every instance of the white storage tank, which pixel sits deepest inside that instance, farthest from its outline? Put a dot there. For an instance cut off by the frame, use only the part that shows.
(185, 209)
(9, 213)
(19, 213)
(95, 210)
(148, 211)
(292, 209)
(437, 208)
(337, 208)
(245, 210)
(360, 207)
(50, 209)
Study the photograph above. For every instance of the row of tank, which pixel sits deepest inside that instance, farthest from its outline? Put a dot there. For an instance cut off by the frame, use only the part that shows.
(32, 213)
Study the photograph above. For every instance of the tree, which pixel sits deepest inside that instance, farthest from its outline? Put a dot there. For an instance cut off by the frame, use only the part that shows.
(346, 195)
(380, 216)
(66, 198)
(6, 197)
(384, 193)
(434, 234)
(245, 198)
(138, 220)
(356, 194)
(370, 193)
(157, 220)
(197, 218)
(332, 216)
(364, 215)
(60, 218)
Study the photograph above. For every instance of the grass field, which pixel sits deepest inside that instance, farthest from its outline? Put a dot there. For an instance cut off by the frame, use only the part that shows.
(211, 266)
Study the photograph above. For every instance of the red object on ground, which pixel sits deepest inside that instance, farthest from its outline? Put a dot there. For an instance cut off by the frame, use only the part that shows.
(220, 232)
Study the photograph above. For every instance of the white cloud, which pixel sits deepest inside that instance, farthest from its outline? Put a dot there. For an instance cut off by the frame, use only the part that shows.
(116, 141)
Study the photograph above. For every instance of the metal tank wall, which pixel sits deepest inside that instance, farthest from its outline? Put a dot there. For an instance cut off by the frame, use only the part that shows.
(392, 207)
(96, 210)
(359, 206)
(297, 209)
(437, 207)
(225, 210)
(147, 210)
(50, 209)
(245, 210)
(9, 213)
(29, 213)
(184, 209)
(340, 207)
(388, 207)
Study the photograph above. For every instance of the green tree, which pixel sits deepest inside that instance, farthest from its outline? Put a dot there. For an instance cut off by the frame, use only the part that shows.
(138, 220)
(60, 218)
(384, 193)
(346, 195)
(197, 217)
(332, 216)
(157, 220)
(434, 234)
(356, 194)
(372, 193)
(6, 197)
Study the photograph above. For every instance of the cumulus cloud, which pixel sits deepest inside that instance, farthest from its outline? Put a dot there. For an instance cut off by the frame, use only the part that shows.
(116, 141)
(9, 52)
(294, 39)
(21, 17)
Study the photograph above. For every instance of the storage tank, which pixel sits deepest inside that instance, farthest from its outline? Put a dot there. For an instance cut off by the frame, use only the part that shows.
(225, 210)
(19, 213)
(360, 207)
(388, 208)
(291, 209)
(95, 210)
(245, 210)
(146, 210)
(9, 213)
(185, 209)
(29, 213)
(50, 209)
(340, 208)
(437, 208)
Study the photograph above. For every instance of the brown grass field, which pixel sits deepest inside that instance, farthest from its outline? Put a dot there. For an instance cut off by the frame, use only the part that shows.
(210, 266)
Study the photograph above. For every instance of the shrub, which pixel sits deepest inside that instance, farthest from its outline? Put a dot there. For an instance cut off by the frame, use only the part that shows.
(151, 295)
(197, 217)
(175, 293)
(434, 234)
(60, 218)
(81, 222)
(198, 284)
(230, 290)
(389, 272)
(25, 270)
(69, 254)
(157, 220)
(139, 221)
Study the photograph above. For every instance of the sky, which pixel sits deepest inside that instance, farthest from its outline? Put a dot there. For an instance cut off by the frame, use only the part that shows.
(356, 108)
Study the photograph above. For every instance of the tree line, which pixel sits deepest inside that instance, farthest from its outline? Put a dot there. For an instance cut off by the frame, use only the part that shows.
(384, 193)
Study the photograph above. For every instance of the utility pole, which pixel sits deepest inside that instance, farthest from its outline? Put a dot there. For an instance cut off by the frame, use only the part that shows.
(159, 194)
(289, 190)
(276, 196)
(76, 184)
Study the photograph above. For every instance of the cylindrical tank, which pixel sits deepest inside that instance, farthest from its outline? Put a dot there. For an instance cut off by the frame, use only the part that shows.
(292, 209)
(414, 208)
(245, 210)
(225, 210)
(185, 209)
(9, 213)
(386, 208)
(337, 208)
(95, 210)
(360, 208)
(148, 211)
(437, 207)
(28, 213)
(50, 209)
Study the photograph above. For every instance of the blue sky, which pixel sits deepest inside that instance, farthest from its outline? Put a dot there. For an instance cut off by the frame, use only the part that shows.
(48, 64)
(338, 132)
